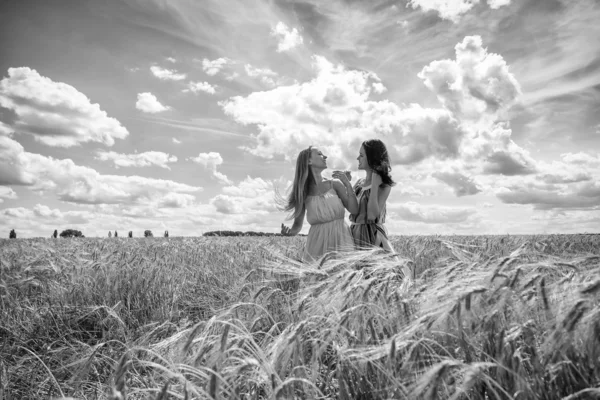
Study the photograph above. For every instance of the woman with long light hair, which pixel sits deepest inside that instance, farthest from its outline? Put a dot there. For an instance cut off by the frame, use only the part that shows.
(323, 202)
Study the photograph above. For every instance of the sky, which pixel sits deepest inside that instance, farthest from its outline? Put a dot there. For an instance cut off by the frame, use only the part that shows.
(187, 115)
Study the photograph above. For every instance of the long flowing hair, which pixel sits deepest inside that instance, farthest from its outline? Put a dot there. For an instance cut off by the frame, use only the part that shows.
(378, 160)
(303, 180)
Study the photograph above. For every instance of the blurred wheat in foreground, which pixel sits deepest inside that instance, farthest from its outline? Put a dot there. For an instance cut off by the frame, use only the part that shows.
(488, 317)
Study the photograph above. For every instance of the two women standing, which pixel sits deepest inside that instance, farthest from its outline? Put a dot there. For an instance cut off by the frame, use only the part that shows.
(324, 202)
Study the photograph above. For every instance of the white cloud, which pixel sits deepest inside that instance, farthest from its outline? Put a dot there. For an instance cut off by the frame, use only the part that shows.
(213, 67)
(196, 87)
(412, 211)
(572, 183)
(495, 4)
(334, 111)
(46, 212)
(145, 159)
(166, 74)
(211, 161)
(461, 184)
(475, 85)
(378, 87)
(408, 190)
(453, 9)
(5, 129)
(176, 200)
(585, 196)
(252, 196)
(287, 39)
(478, 89)
(41, 219)
(148, 103)
(55, 113)
(78, 184)
(7, 193)
(176, 141)
(582, 158)
(265, 75)
(447, 9)
(173, 60)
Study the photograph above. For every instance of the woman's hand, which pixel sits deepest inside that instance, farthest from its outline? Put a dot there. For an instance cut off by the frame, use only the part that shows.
(286, 231)
(343, 176)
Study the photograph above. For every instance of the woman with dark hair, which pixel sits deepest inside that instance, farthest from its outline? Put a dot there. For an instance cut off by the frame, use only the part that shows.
(367, 226)
(323, 202)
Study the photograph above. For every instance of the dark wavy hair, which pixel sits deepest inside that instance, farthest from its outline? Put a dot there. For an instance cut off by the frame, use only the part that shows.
(378, 160)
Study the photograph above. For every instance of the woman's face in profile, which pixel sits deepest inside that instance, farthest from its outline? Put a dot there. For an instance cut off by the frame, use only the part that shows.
(362, 159)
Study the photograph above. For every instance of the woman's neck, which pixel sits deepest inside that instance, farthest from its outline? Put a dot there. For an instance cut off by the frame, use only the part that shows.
(369, 176)
(317, 175)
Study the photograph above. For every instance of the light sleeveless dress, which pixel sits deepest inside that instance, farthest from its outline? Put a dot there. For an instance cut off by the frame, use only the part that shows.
(328, 229)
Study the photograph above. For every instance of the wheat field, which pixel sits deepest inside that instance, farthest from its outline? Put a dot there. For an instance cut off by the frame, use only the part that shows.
(450, 317)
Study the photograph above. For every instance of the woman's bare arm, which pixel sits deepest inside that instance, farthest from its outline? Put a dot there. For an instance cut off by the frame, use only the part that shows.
(296, 227)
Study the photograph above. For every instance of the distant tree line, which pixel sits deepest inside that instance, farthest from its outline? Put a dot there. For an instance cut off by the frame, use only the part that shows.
(68, 233)
(240, 233)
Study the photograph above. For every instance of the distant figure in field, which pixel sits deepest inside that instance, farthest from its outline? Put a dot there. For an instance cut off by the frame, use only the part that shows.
(116, 234)
(12, 234)
(323, 202)
(109, 234)
(55, 234)
(130, 234)
(166, 233)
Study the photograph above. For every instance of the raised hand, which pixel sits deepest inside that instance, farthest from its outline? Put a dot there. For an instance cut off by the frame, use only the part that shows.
(286, 231)
(343, 176)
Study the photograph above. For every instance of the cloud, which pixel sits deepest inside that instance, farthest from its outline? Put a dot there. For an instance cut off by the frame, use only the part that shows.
(73, 183)
(495, 4)
(213, 67)
(509, 163)
(251, 196)
(476, 84)
(211, 161)
(586, 196)
(55, 113)
(412, 211)
(265, 75)
(171, 60)
(571, 183)
(42, 216)
(447, 9)
(176, 200)
(7, 193)
(408, 190)
(334, 110)
(453, 9)
(196, 87)
(478, 89)
(148, 103)
(176, 141)
(145, 159)
(5, 129)
(287, 39)
(582, 159)
(461, 184)
(166, 74)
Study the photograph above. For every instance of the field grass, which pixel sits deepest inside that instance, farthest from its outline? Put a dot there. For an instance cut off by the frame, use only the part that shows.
(488, 317)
